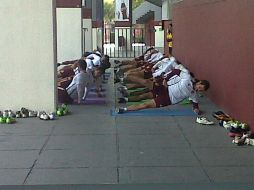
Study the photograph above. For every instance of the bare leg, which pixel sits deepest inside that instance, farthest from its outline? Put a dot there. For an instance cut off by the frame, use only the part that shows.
(143, 96)
(133, 85)
(146, 105)
(136, 93)
(145, 82)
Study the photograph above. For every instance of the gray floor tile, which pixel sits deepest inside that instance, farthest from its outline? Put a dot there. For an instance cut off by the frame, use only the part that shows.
(77, 158)
(11, 142)
(231, 174)
(17, 159)
(162, 175)
(157, 157)
(13, 176)
(234, 156)
(84, 129)
(73, 176)
(27, 126)
(152, 141)
(86, 142)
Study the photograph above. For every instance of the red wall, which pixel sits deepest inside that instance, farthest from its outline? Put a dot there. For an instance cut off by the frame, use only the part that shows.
(215, 39)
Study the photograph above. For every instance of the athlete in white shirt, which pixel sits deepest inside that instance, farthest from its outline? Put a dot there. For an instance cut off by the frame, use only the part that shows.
(174, 88)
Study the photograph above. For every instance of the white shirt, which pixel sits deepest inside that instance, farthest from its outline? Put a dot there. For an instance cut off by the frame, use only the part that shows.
(78, 84)
(155, 57)
(180, 87)
(95, 59)
(165, 65)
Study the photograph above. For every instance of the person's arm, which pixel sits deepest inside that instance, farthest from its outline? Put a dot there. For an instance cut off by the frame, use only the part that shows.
(172, 73)
(80, 90)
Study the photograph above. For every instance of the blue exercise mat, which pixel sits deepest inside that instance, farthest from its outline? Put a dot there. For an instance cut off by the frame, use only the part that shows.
(156, 112)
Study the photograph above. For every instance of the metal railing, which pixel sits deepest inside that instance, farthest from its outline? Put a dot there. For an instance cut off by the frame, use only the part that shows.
(124, 42)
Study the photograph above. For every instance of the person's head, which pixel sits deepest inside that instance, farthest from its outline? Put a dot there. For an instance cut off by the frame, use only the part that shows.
(82, 64)
(105, 62)
(202, 85)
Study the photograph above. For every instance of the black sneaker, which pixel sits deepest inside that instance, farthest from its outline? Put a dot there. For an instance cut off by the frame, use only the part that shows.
(120, 110)
(121, 100)
(116, 81)
(117, 61)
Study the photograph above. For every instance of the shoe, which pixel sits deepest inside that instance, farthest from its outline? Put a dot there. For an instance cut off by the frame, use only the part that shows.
(52, 116)
(5, 113)
(120, 110)
(24, 112)
(122, 100)
(124, 92)
(32, 113)
(116, 81)
(1, 113)
(120, 88)
(219, 115)
(11, 113)
(10, 120)
(2, 120)
(204, 121)
(117, 61)
(44, 116)
(18, 114)
(249, 141)
(238, 141)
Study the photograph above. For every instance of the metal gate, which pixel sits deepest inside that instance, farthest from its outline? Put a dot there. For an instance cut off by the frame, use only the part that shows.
(124, 42)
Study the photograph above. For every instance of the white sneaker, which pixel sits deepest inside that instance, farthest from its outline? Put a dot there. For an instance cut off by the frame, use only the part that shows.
(249, 141)
(204, 121)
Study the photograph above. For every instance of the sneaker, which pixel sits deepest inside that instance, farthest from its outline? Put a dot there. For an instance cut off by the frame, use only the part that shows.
(238, 141)
(18, 114)
(204, 121)
(121, 100)
(124, 92)
(249, 141)
(117, 61)
(32, 113)
(24, 112)
(5, 113)
(120, 88)
(11, 113)
(120, 110)
(10, 120)
(52, 116)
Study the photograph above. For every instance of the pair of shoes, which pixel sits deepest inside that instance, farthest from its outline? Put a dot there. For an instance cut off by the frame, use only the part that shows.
(124, 92)
(238, 140)
(24, 112)
(7, 120)
(32, 113)
(204, 121)
(8, 113)
(120, 110)
(122, 100)
(62, 110)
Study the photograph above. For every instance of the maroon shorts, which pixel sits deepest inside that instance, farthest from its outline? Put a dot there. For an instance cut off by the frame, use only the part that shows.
(161, 96)
(63, 96)
(67, 72)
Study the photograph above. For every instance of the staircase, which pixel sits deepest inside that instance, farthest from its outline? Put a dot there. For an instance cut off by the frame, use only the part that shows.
(144, 10)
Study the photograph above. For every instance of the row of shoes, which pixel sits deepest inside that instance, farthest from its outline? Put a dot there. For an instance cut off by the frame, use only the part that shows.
(23, 113)
(239, 131)
(45, 116)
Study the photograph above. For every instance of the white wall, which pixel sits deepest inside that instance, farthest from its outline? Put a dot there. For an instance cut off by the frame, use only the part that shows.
(87, 37)
(159, 37)
(27, 67)
(69, 34)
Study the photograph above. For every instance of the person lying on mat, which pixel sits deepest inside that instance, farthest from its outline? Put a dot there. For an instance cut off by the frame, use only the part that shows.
(174, 88)
(151, 57)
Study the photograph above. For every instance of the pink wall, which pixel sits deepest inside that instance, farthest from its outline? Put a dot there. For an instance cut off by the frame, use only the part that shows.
(215, 39)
